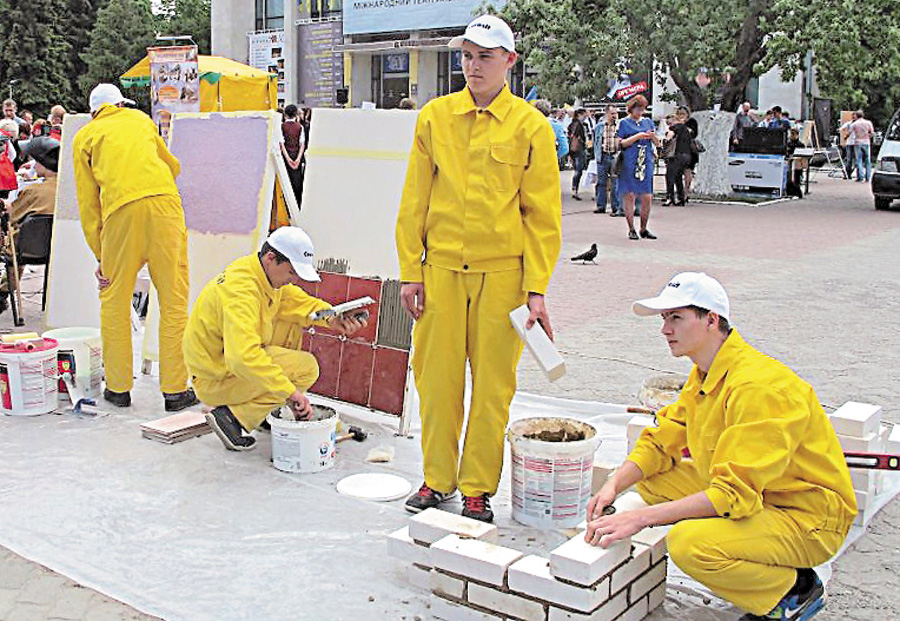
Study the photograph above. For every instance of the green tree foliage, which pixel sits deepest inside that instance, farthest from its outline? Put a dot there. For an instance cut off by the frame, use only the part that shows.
(120, 37)
(188, 18)
(80, 16)
(34, 53)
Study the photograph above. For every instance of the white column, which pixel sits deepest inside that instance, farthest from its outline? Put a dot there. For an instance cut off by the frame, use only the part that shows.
(291, 51)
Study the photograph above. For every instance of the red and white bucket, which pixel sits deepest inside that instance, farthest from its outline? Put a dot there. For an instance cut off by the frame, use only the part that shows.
(81, 354)
(28, 378)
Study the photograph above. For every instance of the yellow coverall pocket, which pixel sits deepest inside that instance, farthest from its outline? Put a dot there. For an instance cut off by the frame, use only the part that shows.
(506, 167)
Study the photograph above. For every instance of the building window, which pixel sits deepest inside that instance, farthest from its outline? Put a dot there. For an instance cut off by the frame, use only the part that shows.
(269, 14)
(319, 9)
(450, 74)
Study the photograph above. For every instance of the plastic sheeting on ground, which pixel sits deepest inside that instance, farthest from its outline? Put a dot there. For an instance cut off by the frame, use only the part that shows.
(193, 532)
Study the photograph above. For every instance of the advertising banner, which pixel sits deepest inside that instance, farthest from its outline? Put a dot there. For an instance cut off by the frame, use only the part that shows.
(322, 69)
(174, 83)
(267, 54)
(362, 16)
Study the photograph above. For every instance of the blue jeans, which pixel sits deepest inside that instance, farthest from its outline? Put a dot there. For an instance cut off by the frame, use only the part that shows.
(578, 161)
(862, 158)
(604, 167)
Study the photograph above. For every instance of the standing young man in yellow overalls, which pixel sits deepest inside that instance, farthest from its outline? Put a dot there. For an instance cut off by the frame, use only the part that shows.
(131, 215)
(478, 234)
(766, 495)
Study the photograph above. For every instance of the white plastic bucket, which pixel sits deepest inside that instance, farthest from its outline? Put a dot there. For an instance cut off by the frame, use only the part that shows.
(658, 391)
(551, 481)
(304, 446)
(28, 379)
(81, 354)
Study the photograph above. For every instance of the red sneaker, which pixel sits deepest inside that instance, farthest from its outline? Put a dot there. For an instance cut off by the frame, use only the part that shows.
(426, 498)
(478, 508)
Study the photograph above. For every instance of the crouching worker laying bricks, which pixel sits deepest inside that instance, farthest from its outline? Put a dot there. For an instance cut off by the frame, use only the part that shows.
(243, 339)
(766, 495)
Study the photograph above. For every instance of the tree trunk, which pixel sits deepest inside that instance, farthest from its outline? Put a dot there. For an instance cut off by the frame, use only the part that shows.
(749, 50)
(694, 96)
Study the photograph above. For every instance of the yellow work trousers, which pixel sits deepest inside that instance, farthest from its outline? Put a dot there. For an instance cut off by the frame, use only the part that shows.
(146, 231)
(466, 316)
(249, 404)
(750, 562)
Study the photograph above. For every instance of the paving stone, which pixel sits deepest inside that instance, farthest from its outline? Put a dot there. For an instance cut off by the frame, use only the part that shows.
(71, 603)
(41, 590)
(27, 612)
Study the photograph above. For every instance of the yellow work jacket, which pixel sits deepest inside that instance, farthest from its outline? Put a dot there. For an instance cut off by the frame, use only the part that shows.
(119, 158)
(757, 435)
(482, 191)
(232, 323)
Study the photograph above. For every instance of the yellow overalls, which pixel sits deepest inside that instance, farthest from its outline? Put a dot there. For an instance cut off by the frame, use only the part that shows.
(482, 205)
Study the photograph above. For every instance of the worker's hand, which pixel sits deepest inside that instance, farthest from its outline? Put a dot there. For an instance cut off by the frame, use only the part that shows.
(602, 499)
(300, 405)
(346, 324)
(102, 281)
(538, 313)
(294, 165)
(412, 298)
(608, 529)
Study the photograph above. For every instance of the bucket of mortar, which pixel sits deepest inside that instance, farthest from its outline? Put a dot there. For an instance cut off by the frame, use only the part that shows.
(81, 354)
(552, 467)
(304, 445)
(28, 379)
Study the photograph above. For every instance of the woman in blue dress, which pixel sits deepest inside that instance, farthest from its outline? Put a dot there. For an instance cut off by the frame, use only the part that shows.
(637, 136)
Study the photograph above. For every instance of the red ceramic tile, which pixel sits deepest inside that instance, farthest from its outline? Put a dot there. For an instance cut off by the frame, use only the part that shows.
(389, 380)
(360, 287)
(333, 288)
(327, 350)
(356, 372)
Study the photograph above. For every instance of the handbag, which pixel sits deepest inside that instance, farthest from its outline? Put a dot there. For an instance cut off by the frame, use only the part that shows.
(618, 161)
(668, 149)
(697, 146)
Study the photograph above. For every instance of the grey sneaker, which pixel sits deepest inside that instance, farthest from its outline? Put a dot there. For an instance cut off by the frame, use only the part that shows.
(229, 430)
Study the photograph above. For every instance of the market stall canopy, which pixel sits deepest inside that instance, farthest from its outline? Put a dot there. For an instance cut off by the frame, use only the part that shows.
(225, 85)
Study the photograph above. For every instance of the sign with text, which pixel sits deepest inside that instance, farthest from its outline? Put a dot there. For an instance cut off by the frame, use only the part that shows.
(174, 83)
(267, 54)
(322, 69)
(362, 16)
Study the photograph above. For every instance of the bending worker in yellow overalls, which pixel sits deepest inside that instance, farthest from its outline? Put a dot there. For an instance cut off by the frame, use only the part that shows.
(243, 339)
(131, 215)
(766, 495)
(482, 205)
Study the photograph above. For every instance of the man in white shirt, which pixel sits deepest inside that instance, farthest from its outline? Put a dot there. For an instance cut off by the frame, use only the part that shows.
(863, 130)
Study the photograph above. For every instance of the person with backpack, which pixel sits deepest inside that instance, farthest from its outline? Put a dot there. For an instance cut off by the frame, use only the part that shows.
(577, 147)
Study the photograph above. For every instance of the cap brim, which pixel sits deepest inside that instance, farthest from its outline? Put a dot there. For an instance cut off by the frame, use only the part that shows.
(655, 306)
(481, 41)
(130, 102)
(306, 271)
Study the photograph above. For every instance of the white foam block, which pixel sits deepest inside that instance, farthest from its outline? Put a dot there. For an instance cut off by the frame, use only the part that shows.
(451, 611)
(433, 524)
(419, 577)
(473, 559)
(628, 573)
(539, 344)
(893, 443)
(506, 603)
(636, 426)
(656, 597)
(648, 581)
(607, 612)
(655, 539)
(851, 444)
(637, 611)
(531, 576)
(856, 419)
(579, 562)
(448, 586)
(401, 546)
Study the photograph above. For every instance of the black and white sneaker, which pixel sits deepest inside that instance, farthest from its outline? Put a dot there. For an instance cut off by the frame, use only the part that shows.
(426, 498)
(177, 401)
(229, 430)
(478, 508)
(804, 601)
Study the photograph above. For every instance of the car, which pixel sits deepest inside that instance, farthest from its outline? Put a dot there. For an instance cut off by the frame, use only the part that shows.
(886, 175)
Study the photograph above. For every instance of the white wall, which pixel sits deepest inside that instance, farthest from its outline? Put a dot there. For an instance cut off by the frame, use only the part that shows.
(231, 21)
(774, 92)
(361, 79)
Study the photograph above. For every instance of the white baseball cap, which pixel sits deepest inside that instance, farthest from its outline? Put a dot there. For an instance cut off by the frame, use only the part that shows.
(487, 31)
(107, 94)
(687, 289)
(295, 244)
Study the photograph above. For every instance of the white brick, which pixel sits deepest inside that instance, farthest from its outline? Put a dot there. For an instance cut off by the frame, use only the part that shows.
(648, 581)
(442, 584)
(506, 603)
(419, 577)
(532, 576)
(856, 419)
(629, 501)
(862, 477)
(637, 611)
(627, 573)
(884, 436)
(602, 470)
(636, 425)
(474, 559)
(451, 611)
(852, 444)
(879, 482)
(893, 443)
(433, 524)
(580, 562)
(657, 596)
(609, 611)
(401, 546)
(655, 539)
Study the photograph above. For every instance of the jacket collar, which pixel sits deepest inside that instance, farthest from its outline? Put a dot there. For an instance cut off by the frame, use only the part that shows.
(498, 108)
(725, 359)
(260, 274)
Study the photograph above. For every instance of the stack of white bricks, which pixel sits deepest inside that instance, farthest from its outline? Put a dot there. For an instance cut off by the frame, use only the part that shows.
(859, 430)
(473, 578)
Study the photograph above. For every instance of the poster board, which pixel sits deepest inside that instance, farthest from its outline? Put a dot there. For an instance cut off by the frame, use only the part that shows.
(267, 54)
(174, 83)
(72, 298)
(356, 166)
(226, 187)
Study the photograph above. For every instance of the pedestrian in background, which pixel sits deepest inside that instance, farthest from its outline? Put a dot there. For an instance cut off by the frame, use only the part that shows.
(692, 126)
(637, 136)
(605, 149)
(863, 131)
(849, 146)
(293, 147)
(562, 139)
(577, 146)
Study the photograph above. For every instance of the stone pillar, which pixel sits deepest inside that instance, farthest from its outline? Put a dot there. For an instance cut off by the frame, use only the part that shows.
(711, 176)
(291, 52)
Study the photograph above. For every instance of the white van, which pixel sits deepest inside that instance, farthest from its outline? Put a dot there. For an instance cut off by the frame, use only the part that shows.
(886, 175)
